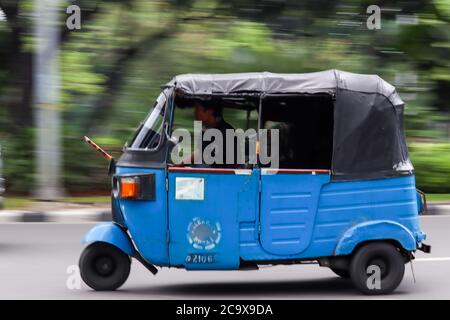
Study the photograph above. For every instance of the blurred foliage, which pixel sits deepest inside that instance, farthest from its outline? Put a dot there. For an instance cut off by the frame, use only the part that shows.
(85, 171)
(112, 68)
(431, 163)
(16, 202)
(18, 158)
(438, 197)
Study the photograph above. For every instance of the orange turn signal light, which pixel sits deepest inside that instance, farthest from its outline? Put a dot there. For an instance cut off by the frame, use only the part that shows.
(129, 187)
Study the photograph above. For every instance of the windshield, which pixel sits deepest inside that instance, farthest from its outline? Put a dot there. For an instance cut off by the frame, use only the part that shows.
(149, 132)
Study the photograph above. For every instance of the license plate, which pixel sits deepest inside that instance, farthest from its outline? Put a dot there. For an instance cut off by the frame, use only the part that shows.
(200, 258)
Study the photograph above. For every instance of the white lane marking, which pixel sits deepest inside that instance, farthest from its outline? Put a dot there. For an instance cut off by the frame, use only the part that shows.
(432, 259)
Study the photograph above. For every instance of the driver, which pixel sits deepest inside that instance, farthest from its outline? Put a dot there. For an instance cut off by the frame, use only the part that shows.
(211, 117)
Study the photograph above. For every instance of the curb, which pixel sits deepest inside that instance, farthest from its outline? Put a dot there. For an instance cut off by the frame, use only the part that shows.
(62, 216)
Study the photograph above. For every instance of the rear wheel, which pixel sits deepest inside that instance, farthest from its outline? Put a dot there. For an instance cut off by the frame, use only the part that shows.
(377, 268)
(104, 266)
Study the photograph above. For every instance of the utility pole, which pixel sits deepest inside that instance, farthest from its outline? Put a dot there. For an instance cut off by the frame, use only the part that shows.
(46, 100)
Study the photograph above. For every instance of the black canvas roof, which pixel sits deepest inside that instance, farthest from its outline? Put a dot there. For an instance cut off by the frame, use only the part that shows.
(368, 137)
(323, 81)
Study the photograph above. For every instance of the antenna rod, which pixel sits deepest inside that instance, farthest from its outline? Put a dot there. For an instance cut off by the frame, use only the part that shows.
(95, 146)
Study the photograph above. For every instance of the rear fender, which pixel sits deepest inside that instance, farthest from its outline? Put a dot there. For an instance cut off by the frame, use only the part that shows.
(375, 230)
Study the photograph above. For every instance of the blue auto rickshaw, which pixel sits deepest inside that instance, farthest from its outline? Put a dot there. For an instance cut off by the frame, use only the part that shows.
(343, 194)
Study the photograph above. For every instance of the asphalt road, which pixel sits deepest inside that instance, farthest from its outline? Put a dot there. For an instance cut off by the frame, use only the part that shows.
(35, 259)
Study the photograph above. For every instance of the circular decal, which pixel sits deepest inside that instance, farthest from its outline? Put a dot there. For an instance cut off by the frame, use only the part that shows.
(202, 234)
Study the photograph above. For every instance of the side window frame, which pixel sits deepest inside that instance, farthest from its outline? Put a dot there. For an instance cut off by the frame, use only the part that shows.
(262, 126)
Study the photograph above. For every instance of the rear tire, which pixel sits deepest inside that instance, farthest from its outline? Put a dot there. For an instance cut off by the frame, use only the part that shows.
(377, 268)
(104, 267)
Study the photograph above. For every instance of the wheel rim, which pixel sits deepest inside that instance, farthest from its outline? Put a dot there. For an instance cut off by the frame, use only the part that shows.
(104, 265)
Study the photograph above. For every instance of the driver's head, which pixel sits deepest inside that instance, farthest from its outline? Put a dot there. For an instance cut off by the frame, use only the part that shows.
(207, 114)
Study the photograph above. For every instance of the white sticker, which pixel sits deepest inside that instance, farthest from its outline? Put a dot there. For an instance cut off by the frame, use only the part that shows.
(189, 188)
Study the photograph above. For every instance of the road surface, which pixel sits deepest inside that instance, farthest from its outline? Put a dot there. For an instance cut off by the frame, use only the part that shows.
(35, 259)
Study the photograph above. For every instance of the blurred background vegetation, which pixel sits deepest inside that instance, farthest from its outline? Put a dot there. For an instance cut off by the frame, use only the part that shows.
(112, 69)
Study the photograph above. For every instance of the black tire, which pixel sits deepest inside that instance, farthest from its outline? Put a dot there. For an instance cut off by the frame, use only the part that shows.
(343, 273)
(104, 267)
(387, 258)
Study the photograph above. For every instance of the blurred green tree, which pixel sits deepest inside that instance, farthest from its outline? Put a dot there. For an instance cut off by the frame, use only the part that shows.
(112, 68)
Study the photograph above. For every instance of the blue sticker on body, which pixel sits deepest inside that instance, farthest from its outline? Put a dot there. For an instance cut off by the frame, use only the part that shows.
(203, 234)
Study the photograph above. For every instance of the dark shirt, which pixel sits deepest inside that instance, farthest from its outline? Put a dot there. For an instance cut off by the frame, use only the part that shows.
(222, 126)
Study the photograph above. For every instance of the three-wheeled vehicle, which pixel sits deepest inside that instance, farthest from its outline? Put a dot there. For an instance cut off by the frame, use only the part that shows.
(343, 194)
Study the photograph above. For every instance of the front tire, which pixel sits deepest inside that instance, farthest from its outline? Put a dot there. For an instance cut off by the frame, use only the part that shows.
(377, 268)
(104, 267)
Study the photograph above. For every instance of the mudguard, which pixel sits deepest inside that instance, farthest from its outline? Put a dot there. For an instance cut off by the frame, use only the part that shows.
(375, 230)
(110, 233)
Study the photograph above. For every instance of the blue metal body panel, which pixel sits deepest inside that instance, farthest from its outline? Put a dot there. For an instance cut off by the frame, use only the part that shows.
(288, 211)
(257, 217)
(228, 199)
(343, 208)
(110, 233)
(147, 220)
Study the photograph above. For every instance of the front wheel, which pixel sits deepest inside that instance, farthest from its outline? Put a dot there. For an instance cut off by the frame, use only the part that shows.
(104, 267)
(377, 268)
